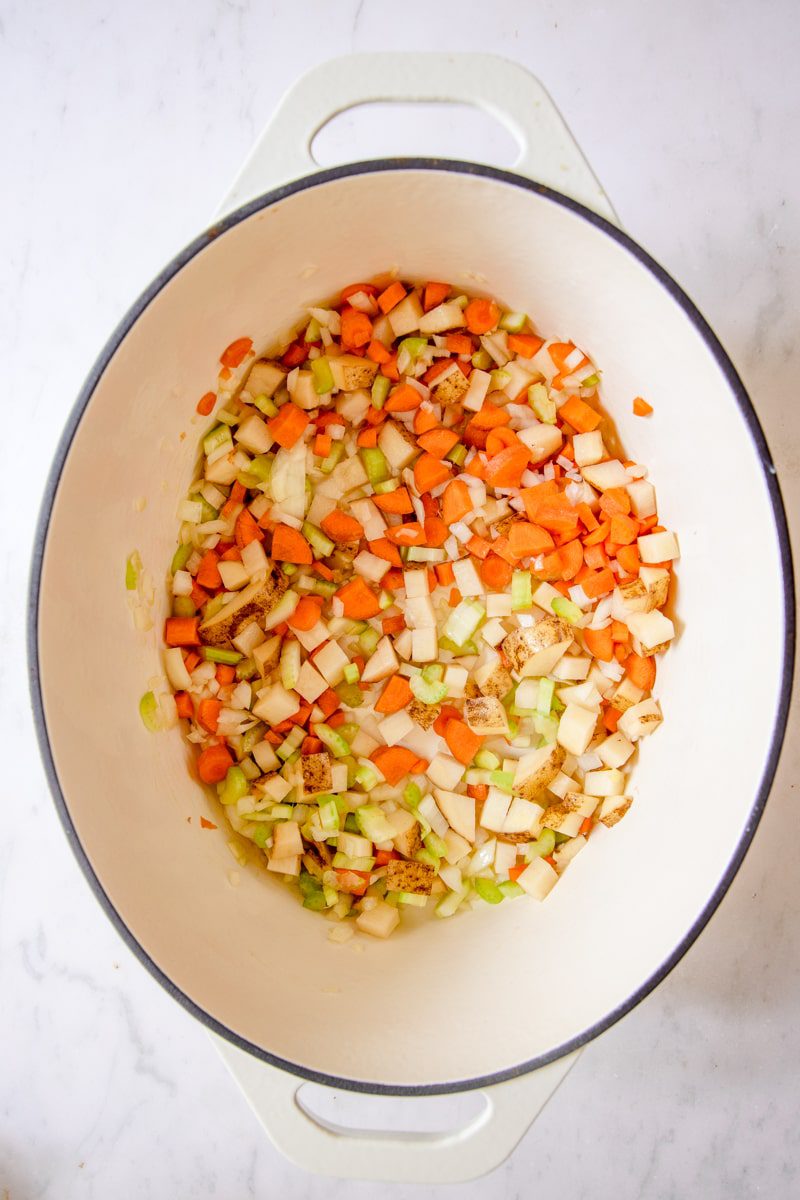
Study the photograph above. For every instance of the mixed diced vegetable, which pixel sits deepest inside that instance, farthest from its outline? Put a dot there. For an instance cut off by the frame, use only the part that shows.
(417, 605)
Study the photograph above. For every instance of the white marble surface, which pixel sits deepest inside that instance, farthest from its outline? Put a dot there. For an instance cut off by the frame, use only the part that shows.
(121, 126)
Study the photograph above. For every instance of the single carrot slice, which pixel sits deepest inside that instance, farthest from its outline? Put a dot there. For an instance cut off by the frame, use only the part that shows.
(615, 502)
(358, 601)
(570, 555)
(424, 421)
(208, 711)
(445, 574)
(435, 293)
(213, 763)
(479, 546)
(234, 354)
(398, 502)
(526, 540)
(579, 415)
(383, 548)
(628, 559)
(392, 296)
(306, 614)
(524, 344)
(598, 535)
(290, 546)
(206, 403)
(208, 575)
(394, 762)
(429, 473)
(356, 328)
(496, 573)
(456, 502)
(224, 674)
(184, 706)
(458, 343)
(641, 408)
(368, 437)
(378, 352)
(395, 696)
(490, 416)
(600, 643)
(641, 671)
(436, 532)
(481, 315)
(497, 440)
(323, 444)
(624, 531)
(405, 398)
(505, 470)
(438, 442)
(247, 530)
(462, 742)
(411, 533)
(599, 583)
(341, 528)
(288, 425)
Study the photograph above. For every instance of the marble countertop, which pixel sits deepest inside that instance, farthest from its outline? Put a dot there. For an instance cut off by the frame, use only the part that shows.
(124, 125)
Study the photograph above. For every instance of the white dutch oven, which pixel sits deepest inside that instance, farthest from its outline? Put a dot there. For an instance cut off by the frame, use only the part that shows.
(499, 995)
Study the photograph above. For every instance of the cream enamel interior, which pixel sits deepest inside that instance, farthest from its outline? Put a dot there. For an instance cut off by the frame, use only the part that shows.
(442, 1001)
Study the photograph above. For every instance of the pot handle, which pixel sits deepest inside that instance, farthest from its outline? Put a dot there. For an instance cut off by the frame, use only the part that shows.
(393, 1156)
(504, 89)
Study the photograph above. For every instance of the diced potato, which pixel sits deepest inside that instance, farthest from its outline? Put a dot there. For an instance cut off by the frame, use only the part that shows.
(562, 784)
(604, 783)
(287, 841)
(285, 866)
(544, 595)
(641, 720)
(523, 816)
(440, 319)
(542, 440)
(423, 715)
(275, 704)
(353, 845)
(309, 639)
(535, 771)
(351, 372)
(615, 750)
(264, 378)
(588, 448)
(254, 559)
(626, 695)
(536, 650)
(505, 856)
(605, 475)
(424, 645)
(254, 602)
(493, 680)
(315, 773)
(234, 575)
(467, 579)
(538, 879)
(402, 645)
(310, 684)
(381, 663)
(369, 566)
(458, 810)
(444, 771)
(565, 853)
(398, 444)
(652, 631)
(656, 580)
(414, 877)
(642, 496)
(493, 632)
(419, 612)
(364, 511)
(613, 809)
(395, 727)
(585, 694)
(254, 435)
(486, 717)
(457, 846)
(266, 654)
(572, 667)
(658, 547)
(479, 383)
(405, 317)
(456, 680)
(331, 661)
(576, 729)
(416, 584)
(498, 604)
(380, 920)
(450, 387)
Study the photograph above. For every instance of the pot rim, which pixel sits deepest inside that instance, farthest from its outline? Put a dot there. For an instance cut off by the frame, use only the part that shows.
(779, 517)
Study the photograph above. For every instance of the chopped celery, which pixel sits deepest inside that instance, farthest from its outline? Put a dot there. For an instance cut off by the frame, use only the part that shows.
(319, 543)
(337, 745)
(436, 844)
(513, 322)
(183, 606)
(266, 406)
(500, 379)
(464, 620)
(218, 437)
(234, 787)
(374, 464)
(428, 554)
(334, 458)
(373, 824)
(565, 609)
(261, 467)
(208, 512)
(467, 648)
(409, 351)
(413, 899)
(458, 454)
(544, 698)
(461, 301)
(351, 673)
(323, 587)
(521, 591)
(350, 822)
(433, 673)
(323, 376)
(486, 761)
(380, 390)
(412, 794)
(289, 568)
(251, 739)
(261, 835)
(504, 780)
(427, 692)
(383, 489)
(316, 901)
(181, 557)
(227, 417)
(291, 743)
(313, 333)
(349, 730)
(214, 654)
(428, 857)
(133, 565)
(148, 711)
(488, 890)
(329, 815)
(482, 360)
(350, 694)
(591, 380)
(290, 664)
(369, 639)
(212, 607)
(511, 889)
(348, 862)
(547, 728)
(544, 845)
(542, 403)
(367, 778)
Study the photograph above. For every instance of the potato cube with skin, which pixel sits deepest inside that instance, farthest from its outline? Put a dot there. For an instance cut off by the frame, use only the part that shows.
(588, 448)
(613, 809)
(538, 879)
(287, 841)
(658, 547)
(566, 851)
(339, 777)
(536, 650)
(626, 695)
(523, 816)
(351, 372)
(486, 717)
(398, 444)
(535, 771)
(422, 714)
(458, 810)
(562, 784)
(415, 877)
(494, 680)
(302, 390)
(409, 840)
(310, 684)
(264, 379)
(402, 644)
(381, 664)
(405, 317)
(629, 597)
(424, 645)
(495, 810)
(569, 814)
(642, 496)
(615, 750)
(379, 921)
(457, 846)
(315, 772)
(450, 388)
(576, 729)
(395, 727)
(656, 580)
(331, 661)
(640, 720)
(416, 584)
(652, 631)
(266, 654)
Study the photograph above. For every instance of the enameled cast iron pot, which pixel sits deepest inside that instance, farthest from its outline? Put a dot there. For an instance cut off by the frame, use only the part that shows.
(499, 994)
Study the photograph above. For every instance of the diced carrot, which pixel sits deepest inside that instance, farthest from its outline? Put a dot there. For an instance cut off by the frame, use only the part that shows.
(311, 745)
(502, 547)
(395, 696)
(208, 711)
(524, 344)
(641, 671)
(213, 763)
(359, 601)
(183, 705)
(236, 353)
(579, 414)
(599, 583)
(306, 614)
(247, 530)
(462, 742)
(337, 719)
(478, 546)
(610, 718)
(550, 568)
(356, 328)
(224, 674)
(641, 408)
(534, 497)
(620, 653)
(341, 528)
(205, 404)
(393, 294)
(232, 554)
(445, 574)
(329, 702)
(394, 762)
(323, 571)
(477, 791)
(368, 437)
(392, 625)
(587, 825)
(598, 535)
(208, 575)
(378, 352)
(392, 580)
(191, 660)
(389, 368)
(615, 502)
(515, 872)
(496, 573)
(288, 425)
(438, 442)
(458, 343)
(497, 440)
(455, 598)
(526, 540)
(448, 713)
(624, 531)
(600, 643)
(620, 632)
(505, 469)
(206, 824)
(329, 417)
(290, 546)
(424, 421)
(456, 502)
(382, 857)
(398, 502)
(558, 515)
(368, 289)
(409, 534)
(628, 559)
(570, 555)
(476, 468)
(383, 548)
(429, 473)
(435, 293)
(490, 416)
(404, 398)
(295, 354)
(436, 532)
(323, 444)
(182, 631)
(481, 315)
(595, 557)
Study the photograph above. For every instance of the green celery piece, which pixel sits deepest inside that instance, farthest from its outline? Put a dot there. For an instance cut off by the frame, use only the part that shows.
(544, 698)
(323, 376)
(350, 694)
(374, 464)
(485, 760)
(511, 889)
(148, 711)
(183, 606)
(488, 890)
(265, 405)
(261, 467)
(320, 544)
(513, 322)
(427, 692)
(482, 360)
(313, 332)
(334, 741)
(261, 835)
(234, 787)
(566, 609)
(181, 557)
(542, 847)
(334, 458)
(214, 654)
(218, 436)
(133, 565)
(504, 780)
(380, 390)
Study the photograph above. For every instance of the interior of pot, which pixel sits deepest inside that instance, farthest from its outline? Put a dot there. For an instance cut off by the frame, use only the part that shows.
(442, 1000)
